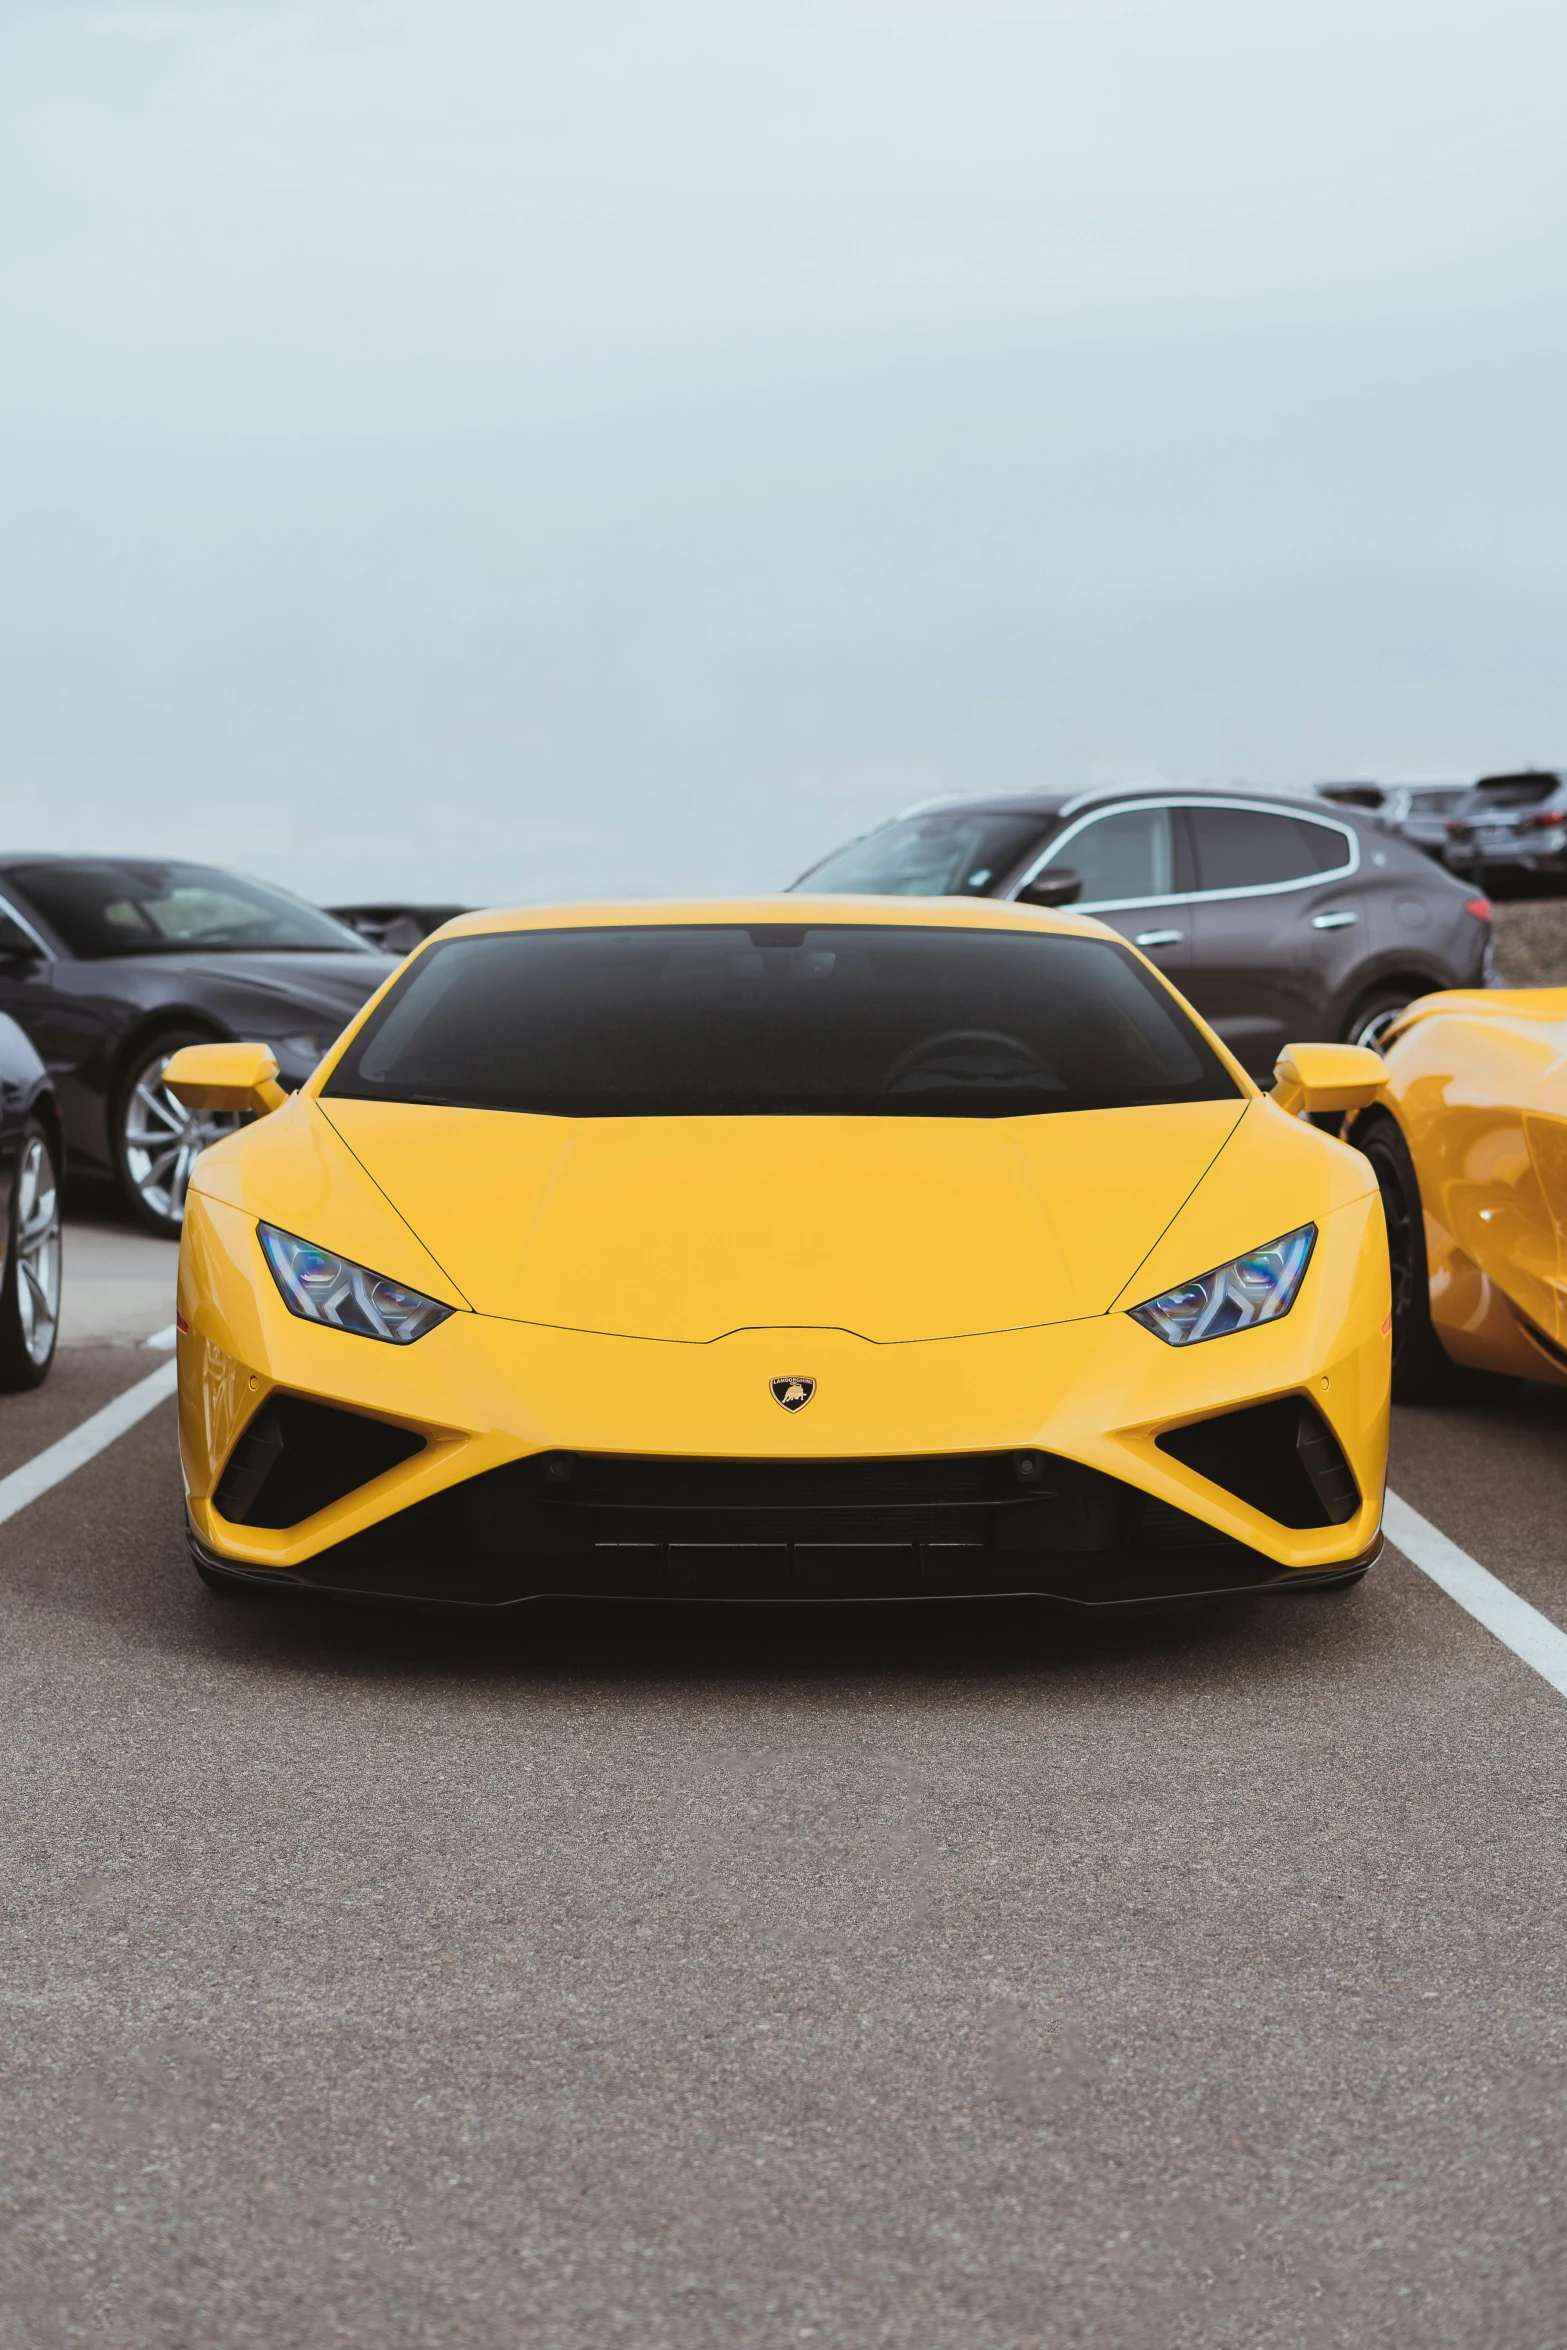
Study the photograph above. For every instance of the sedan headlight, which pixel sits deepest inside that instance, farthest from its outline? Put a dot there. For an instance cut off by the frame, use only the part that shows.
(319, 1287)
(1258, 1287)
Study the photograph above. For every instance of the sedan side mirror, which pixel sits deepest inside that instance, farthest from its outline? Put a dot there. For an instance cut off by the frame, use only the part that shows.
(225, 1077)
(1058, 885)
(1316, 1077)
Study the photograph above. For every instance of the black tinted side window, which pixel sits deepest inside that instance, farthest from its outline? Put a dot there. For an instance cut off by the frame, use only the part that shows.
(1242, 848)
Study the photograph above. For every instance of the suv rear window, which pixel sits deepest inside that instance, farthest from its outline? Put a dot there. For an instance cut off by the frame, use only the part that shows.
(1512, 791)
(720, 1020)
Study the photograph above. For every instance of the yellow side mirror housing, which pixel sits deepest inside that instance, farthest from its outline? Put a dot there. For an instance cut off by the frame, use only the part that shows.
(225, 1077)
(1313, 1077)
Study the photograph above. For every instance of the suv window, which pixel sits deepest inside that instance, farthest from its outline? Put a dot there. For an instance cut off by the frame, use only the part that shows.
(1511, 791)
(1128, 854)
(1243, 848)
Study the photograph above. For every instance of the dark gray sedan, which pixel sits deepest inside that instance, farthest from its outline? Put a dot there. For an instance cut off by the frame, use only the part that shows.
(110, 964)
(1280, 919)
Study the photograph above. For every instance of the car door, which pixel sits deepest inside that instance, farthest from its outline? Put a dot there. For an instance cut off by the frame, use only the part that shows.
(1135, 864)
(1277, 927)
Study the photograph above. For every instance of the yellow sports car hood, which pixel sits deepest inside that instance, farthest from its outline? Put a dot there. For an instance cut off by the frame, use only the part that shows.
(688, 1228)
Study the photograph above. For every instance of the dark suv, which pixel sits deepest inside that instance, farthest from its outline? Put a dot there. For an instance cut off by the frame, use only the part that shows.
(1279, 919)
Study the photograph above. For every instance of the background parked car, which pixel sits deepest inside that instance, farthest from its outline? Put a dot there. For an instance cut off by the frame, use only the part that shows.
(396, 928)
(110, 964)
(32, 1160)
(1417, 812)
(1512, 825)
(1279, 919)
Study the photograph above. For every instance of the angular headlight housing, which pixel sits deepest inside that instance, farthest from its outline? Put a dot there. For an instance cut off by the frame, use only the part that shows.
(320, 1287)
(1258, 1287)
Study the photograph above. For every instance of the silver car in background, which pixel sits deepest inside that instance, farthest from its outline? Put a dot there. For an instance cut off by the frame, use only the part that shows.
(1513, 826)
(1417, 812)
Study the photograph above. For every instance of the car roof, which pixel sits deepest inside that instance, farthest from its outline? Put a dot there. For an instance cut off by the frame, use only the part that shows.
(1047, 805)
(797, 910)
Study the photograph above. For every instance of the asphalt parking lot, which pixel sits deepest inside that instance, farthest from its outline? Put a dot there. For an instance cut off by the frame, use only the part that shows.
(957, 1976)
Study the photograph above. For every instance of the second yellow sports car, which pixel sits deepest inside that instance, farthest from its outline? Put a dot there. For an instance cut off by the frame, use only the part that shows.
(1469, 1145)
(781, 1249)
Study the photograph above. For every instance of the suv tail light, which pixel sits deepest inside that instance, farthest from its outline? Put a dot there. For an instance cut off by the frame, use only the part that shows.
(1480, 908)
(1544, 819)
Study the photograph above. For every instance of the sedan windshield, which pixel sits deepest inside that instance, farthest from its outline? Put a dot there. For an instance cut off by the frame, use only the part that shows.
(724, 1020)
(952, 853)
(104, 906)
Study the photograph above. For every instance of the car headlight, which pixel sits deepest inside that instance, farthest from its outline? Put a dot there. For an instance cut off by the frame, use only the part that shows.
(1258, 1287)
(319, 1287)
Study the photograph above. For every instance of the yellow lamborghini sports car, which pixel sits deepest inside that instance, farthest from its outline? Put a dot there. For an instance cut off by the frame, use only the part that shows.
(789, 1249)
(1469, 1145)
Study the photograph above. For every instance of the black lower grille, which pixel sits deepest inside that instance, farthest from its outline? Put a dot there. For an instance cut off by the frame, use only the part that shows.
(1281, 1458)
(297, 1457)
(614, 1526)
(562, 1504)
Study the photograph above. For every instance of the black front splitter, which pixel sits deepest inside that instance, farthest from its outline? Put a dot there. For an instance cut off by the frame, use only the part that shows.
(1099, 1583)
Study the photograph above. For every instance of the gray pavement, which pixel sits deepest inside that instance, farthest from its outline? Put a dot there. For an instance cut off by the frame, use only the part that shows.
(118, 1285)
(942, 1977)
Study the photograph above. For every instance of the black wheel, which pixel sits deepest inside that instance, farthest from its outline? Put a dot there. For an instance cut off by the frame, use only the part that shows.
(1375, 1014)
(30, 1289)
(1423, 1371)
(156, 1139)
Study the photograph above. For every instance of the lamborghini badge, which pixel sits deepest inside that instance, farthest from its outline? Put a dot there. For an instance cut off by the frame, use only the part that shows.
(793, 1394)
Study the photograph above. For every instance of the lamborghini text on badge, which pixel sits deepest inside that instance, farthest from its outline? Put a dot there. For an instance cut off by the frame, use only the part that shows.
(793, 1394)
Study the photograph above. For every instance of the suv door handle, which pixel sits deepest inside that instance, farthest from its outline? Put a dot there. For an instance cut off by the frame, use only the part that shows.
(1333, 921)
(1165, 938)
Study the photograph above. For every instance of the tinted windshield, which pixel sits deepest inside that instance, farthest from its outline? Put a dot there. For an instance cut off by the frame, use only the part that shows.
(961, 853)
(106, 907)
(720, 1020)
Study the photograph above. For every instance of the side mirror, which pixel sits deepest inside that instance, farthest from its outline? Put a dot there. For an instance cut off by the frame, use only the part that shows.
(225, 1077)
(1058, 885)
(1316, 1077)
(15, 943)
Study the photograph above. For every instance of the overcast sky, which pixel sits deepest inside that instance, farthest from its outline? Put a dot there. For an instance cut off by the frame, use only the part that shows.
(486, 451)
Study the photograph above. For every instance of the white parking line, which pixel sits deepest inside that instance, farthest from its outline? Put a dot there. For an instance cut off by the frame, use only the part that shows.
(162, 1341)
(74, 1451)
(1515, 1623)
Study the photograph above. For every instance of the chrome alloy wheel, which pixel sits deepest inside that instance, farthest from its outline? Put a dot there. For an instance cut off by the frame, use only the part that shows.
(161, 1140)
(1372, 1031)
(37, 1244)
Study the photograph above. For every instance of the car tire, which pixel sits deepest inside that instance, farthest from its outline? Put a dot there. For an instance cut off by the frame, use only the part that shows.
(156, 1139)
(30, 1289)
(1375, 1014)
(1423, 1370)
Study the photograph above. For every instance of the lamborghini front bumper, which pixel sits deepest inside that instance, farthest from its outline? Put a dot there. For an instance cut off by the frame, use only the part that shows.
(496, 1460)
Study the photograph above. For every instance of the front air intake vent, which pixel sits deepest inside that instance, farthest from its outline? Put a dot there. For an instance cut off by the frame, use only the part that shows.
(297, 1457)
(1281, 1458)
